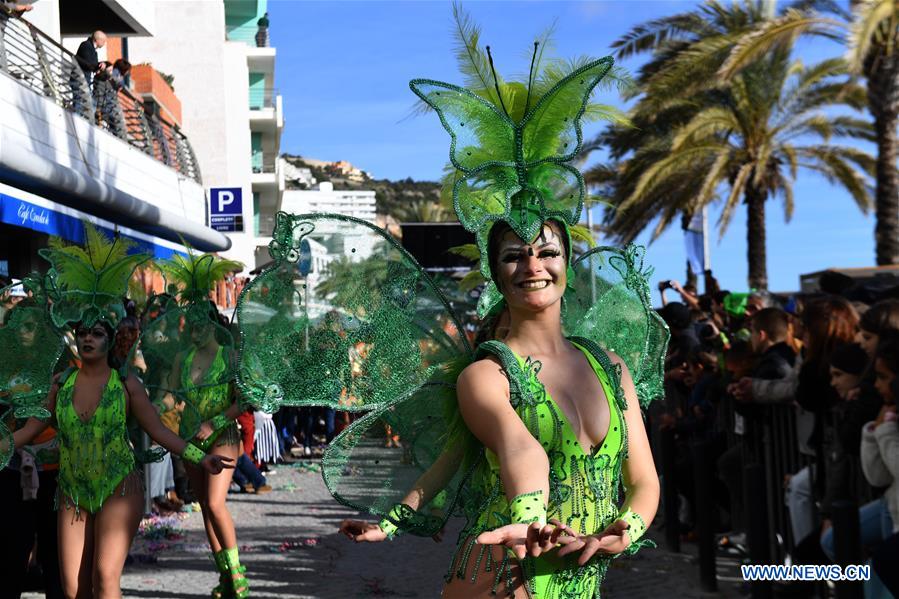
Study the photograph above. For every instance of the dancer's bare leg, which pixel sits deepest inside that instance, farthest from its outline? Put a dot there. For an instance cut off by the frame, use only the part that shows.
(114, 528)
(76, 550)
(212, 491)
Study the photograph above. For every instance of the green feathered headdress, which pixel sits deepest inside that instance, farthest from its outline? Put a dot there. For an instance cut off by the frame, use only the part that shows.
(512, 144)
(86, 283)
(192, 277)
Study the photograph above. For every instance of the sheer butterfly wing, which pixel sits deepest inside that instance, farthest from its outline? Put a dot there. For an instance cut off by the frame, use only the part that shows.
(343, 317)
(482, 148)
(434, 463)
(31, 348)
(551, 130)
(481, 134)
(608, 303)
(560, 189)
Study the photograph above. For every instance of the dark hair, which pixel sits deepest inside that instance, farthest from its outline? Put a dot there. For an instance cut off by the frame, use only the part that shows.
(881, 317)
(774, 322)
(888, 352)
(122, 66)
(499, 230)
(829, 322)
(486, 331)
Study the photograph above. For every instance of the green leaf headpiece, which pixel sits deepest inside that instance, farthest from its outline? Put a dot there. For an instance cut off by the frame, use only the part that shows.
(87, 283)
(193, 277)
(512, 165)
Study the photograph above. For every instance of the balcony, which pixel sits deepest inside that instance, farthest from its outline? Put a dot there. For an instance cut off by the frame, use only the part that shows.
(266, 112)
(266, 171)
(101, 151)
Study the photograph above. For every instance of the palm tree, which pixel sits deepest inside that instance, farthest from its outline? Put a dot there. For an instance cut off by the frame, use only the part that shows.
(423, 211)
(871, 35)
(697, 135)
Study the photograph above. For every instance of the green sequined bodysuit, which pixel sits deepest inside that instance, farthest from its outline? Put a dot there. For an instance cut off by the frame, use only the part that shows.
(583, 485)
(207, 399)
(94, 455)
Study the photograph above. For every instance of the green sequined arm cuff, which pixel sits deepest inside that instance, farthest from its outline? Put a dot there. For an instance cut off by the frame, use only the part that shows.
(527, 508)
(635, 530)
(636, 527)
(192, 454)
(388, 524)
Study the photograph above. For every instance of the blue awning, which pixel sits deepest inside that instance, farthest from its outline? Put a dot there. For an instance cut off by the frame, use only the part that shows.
(45, 216)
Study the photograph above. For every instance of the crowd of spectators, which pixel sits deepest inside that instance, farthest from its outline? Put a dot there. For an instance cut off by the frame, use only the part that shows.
(804, 386)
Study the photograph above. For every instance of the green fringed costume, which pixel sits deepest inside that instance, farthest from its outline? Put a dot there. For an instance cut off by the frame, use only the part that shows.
(186, 330)
(85, 285)
(398, 330)
(188, 326)
(95, 455)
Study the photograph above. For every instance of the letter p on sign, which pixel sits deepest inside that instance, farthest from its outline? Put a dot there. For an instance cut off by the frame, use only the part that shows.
(226, 198)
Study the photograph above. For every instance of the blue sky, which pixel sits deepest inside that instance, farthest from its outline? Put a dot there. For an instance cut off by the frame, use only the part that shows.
(343, 69)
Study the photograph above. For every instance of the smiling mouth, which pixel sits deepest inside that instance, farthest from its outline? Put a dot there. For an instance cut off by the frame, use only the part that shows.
(87, 347)
(534, 285)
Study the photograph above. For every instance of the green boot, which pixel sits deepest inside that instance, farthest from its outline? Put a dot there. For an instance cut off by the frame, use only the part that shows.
(239, 584)
(224, 589)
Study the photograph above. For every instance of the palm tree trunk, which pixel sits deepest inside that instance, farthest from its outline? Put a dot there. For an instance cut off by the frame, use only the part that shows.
(755, 237)
(882, 99)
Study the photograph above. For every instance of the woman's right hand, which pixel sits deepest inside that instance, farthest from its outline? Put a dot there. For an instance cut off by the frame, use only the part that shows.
(362, 532)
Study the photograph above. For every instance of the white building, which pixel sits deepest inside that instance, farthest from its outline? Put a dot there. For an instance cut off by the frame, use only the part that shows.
(232, 111)
(360, 204)
(348, 202)
(59, 165)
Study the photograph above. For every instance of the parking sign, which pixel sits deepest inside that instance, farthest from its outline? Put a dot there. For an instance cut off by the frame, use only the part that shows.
(226, 208)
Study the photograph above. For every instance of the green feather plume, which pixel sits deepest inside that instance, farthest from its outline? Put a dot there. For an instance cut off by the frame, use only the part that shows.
(195, 275)
(89, 281)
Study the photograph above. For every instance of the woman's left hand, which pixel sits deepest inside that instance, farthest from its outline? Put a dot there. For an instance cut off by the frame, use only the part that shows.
(214, 464)
(205, 431)
(526, 539)
(614, 539)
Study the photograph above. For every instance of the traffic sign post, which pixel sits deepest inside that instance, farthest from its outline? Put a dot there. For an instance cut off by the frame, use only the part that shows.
(226, 209)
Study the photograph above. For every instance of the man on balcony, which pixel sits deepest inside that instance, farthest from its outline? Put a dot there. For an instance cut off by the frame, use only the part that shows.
(87, 54)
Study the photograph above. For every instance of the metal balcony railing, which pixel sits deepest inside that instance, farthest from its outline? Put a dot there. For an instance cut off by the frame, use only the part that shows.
(263, 98)
(38, 62)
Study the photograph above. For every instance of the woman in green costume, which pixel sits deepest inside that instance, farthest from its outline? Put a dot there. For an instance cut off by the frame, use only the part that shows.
(100, 492)
(197, 369)
(536, 439)
(561, 425)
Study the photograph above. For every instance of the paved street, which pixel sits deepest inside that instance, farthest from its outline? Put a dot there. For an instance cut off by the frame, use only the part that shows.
(289, 545)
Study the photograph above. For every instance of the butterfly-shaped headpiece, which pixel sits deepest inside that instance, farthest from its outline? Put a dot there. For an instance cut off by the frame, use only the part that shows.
(515, 171)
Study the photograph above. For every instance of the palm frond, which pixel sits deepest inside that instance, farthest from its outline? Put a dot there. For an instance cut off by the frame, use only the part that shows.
(737, 190)
(471, 280)
(874, 26)
(781, 32)
(468, 251)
